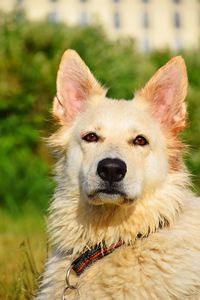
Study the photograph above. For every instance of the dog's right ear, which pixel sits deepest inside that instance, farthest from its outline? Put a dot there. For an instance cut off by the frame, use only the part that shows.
(75, 85)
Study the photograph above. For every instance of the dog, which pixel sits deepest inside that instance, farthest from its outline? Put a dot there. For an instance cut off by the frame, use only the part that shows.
(123, 221)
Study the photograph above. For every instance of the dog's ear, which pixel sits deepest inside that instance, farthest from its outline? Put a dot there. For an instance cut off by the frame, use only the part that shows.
(75, 85)
(166, 91)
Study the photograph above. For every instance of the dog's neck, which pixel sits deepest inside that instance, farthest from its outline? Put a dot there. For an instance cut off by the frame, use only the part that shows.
(76, 224)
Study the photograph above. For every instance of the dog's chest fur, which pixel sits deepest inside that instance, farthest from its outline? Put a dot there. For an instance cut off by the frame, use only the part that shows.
(165, 265)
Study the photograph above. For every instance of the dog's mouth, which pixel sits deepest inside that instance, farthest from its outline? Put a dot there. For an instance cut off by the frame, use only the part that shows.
(109, 196)
(111, 192)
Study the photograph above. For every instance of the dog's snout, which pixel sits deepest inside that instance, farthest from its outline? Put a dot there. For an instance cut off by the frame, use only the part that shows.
(111, 169)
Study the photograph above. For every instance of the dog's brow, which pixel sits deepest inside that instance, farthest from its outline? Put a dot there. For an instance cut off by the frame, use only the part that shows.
(91, 129)
(98, 128)
(135, 131)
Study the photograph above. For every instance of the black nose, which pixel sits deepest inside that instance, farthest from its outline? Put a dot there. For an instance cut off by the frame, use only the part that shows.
(111, 169)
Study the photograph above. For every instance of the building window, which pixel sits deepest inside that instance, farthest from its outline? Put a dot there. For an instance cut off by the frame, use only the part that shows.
(116, 19)
(145, 20)
(116, 1)
(177, 1)
(145, 45)
(19, 2)
(84, 19)
(54, 17)
(177, 20)
(145, 1)
(83, 0)
(177, 45)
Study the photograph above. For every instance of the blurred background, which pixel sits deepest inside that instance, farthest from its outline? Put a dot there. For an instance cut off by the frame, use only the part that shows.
(123, 42)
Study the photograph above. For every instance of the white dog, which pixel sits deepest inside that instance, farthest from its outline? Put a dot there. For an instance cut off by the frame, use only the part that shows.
(123, 221)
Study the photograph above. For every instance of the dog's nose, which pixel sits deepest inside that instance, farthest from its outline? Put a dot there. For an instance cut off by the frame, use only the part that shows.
(111, 169)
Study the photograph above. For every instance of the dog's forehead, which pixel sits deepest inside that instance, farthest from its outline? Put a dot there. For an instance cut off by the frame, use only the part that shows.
(117, 114)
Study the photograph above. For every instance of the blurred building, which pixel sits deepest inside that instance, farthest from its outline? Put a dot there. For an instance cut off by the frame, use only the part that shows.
(154, 24)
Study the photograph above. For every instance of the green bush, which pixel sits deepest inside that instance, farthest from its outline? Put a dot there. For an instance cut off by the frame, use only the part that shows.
(29, 58)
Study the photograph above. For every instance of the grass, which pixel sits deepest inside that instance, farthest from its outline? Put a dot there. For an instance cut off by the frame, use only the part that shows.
(22, 254)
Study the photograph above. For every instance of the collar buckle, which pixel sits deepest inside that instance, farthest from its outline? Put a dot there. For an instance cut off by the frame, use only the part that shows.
(68, 285)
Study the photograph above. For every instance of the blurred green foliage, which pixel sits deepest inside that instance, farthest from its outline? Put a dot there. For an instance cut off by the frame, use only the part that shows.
(29, 58)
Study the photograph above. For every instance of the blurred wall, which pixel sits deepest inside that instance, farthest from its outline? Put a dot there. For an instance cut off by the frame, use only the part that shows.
(155, 24)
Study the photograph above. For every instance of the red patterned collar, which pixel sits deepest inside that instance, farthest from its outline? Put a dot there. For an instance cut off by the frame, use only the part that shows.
(90, 256)
(99, 251)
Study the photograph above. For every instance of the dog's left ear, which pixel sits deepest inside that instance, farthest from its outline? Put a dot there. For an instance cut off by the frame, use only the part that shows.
(75, 86)
(167, 91)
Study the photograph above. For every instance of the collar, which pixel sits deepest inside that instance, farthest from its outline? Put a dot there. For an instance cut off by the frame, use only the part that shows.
(92, 255)
(89, 257)
(99, 251)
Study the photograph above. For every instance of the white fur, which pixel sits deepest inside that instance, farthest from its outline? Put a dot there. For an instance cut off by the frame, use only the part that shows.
(165, 262)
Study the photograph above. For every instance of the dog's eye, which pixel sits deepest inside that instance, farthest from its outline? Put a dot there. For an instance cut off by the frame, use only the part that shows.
(91, 137)
(140, 141)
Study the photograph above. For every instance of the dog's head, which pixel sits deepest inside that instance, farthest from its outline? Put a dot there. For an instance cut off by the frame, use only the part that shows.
(119, 151)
